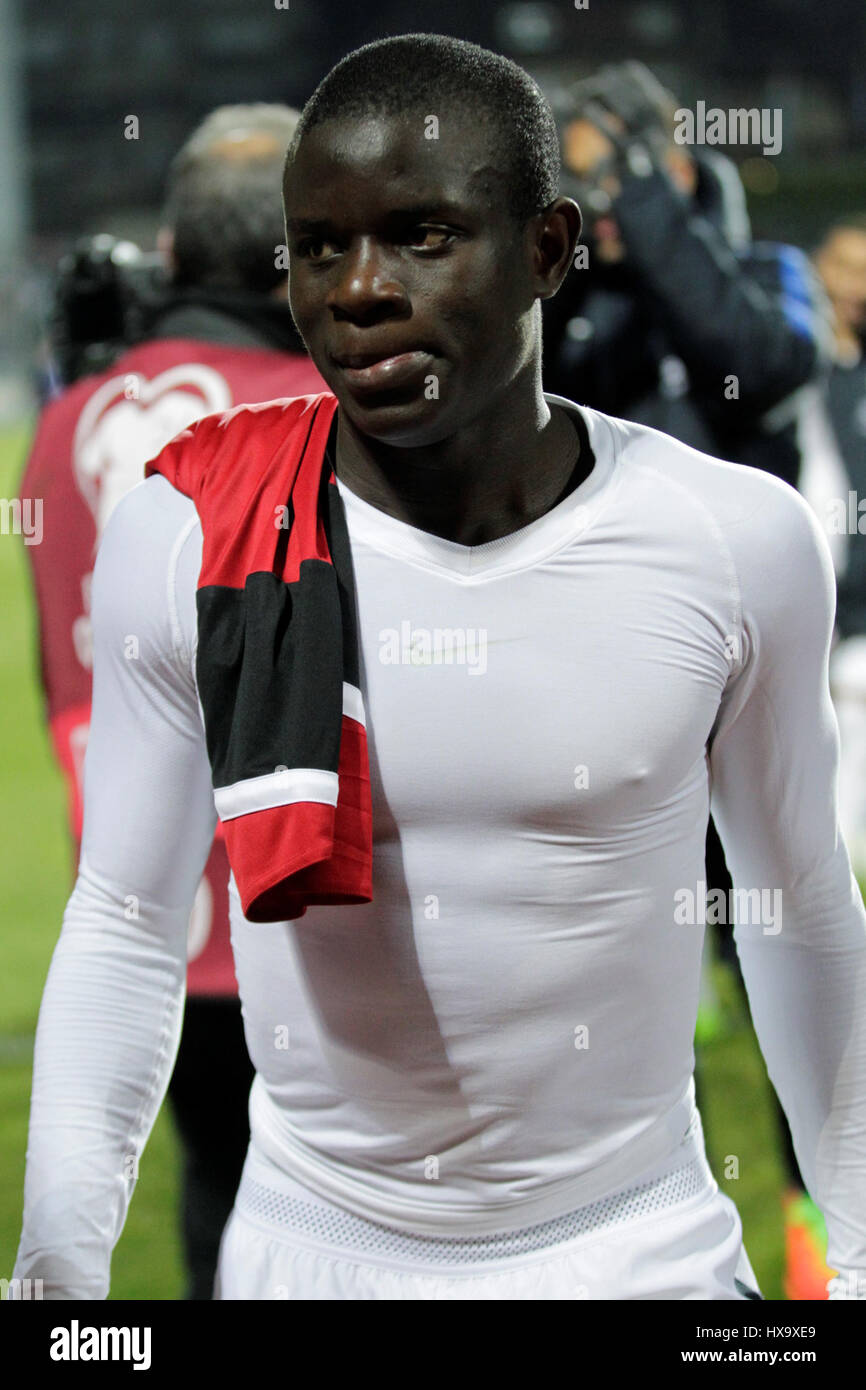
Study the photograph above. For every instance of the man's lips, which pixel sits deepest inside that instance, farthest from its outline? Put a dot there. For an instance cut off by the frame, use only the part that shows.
(367, 372)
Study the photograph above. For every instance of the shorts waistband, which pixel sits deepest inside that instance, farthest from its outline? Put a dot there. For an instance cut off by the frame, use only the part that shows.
(287, 1208)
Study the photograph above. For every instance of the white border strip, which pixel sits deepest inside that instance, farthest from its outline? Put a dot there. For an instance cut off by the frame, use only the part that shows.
(281, 788)
(353, 704)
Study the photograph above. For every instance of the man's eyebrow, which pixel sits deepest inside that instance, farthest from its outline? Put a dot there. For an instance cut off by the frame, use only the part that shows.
(306, 224)
(428, 207)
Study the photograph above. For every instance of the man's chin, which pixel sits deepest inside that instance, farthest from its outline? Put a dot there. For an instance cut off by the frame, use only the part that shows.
(392, 417)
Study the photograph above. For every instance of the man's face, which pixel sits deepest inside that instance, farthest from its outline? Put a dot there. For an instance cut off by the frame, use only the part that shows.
(588, 153)
(408, 278)
(841, 264)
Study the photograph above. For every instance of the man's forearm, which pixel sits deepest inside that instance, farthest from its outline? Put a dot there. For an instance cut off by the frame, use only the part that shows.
(108, 1033)
(808, 1003)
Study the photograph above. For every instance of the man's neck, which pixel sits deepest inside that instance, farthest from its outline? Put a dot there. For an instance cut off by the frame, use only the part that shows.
(502, 472)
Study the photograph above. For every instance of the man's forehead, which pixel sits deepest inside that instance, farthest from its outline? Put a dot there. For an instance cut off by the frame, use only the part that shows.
(403, 153)
(853, 240)
(844, 243)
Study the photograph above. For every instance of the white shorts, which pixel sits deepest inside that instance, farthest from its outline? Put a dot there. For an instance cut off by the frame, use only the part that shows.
(674, 1235)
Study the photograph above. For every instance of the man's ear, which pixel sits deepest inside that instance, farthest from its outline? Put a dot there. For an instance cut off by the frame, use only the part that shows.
(556, 231)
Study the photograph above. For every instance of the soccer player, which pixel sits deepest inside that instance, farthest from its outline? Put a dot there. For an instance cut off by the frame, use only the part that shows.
(573, 634)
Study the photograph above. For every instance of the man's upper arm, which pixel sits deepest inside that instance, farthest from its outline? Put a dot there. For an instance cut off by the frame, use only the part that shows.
(149, 817)
(774, 752)
(803, 952)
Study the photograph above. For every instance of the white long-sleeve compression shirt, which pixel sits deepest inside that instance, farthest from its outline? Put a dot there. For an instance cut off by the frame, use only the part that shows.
(550, 717)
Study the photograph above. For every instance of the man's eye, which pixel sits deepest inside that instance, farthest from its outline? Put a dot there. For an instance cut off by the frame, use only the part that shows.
(316, 249)
(429, 238)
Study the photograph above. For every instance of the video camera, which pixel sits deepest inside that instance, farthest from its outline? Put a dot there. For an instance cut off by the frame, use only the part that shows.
(106, 295)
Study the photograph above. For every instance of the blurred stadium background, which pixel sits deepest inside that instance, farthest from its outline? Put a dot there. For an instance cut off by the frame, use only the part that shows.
(71, 74)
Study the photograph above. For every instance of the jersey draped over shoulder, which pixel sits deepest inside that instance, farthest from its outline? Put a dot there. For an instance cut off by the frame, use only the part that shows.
(277, 662)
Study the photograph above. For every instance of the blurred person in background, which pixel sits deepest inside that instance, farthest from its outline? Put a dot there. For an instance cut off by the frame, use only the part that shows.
(215, 331)
(678, 320)
(833, 444)
(833, 439)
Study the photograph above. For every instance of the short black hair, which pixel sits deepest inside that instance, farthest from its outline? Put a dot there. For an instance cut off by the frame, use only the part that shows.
(224, 199)
(435, 73)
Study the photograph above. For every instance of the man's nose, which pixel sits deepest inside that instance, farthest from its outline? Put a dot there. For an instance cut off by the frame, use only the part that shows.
(367, 285)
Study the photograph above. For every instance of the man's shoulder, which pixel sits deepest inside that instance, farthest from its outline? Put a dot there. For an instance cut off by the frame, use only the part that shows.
(682, 491)
(258, 418)
(151, 515)
(152, 510)
(744, 527)
(730, 491)
(146, 572)
(147, 535)
(259, 427)
(230, 449)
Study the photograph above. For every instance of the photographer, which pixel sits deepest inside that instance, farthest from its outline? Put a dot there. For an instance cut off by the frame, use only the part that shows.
(678, 320)
(154, 351)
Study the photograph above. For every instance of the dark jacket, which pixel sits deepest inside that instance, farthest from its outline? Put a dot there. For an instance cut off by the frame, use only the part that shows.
(846, 408)
(701, 333)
